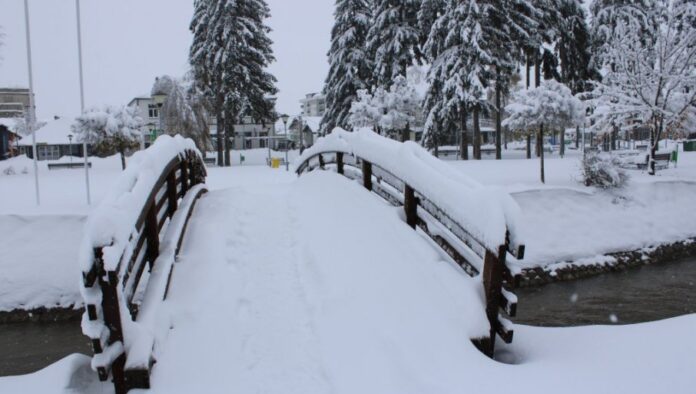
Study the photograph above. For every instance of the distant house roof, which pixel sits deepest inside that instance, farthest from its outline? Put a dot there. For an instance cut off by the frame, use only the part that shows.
(10, 123)
(313, 122)
(55, 132)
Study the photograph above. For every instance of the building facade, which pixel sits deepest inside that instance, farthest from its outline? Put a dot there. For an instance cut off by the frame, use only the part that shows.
(13, 102)
(314, 104)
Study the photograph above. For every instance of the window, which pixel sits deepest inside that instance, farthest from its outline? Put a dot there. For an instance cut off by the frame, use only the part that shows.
(153, 111)
(48, 152)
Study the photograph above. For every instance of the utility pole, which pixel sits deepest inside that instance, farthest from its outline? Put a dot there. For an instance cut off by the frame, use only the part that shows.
(31, 121)
(82, 100)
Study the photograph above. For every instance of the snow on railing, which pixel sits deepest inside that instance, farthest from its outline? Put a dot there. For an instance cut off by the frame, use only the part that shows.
(476, 225)
(139, 224)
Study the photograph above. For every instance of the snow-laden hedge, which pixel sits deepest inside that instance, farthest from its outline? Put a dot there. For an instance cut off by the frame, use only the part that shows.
(486, 212)
(112, 222)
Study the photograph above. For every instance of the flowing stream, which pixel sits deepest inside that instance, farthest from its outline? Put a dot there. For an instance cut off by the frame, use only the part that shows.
(639, 295)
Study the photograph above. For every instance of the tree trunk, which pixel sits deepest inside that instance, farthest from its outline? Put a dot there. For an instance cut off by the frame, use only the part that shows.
(577, 137)
(562, 150)
(220, 139)
(498, 120)
(229, 133)
(539, 145)
(541, 137)
(529, 146)
(436, 144)
(477, 135)
(528, 66)
(537, 69)
(614, 135)
(464, 143)
(405, 134)
(123, 159)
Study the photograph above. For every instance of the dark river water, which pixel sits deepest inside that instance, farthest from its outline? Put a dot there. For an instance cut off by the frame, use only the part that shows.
(645, 294)
(648, 293)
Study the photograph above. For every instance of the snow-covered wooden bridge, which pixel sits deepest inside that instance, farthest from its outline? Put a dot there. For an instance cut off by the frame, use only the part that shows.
(278, 278)
(315, 285)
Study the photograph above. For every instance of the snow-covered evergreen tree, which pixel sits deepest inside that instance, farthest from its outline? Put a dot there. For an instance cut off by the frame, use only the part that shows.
(229, 58)
(366, 110)
(428, 13)
(607, 14)
(551, 106)
(349, 67)
(458, 76)
(649, 80)
(110, 130)
(393, 39)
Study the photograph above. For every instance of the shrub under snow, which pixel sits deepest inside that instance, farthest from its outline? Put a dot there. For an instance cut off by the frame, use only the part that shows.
(602, 170)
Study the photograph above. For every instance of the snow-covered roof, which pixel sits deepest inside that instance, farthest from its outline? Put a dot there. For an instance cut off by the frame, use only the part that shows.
(55, 132)
(10, 123)
(313, 122)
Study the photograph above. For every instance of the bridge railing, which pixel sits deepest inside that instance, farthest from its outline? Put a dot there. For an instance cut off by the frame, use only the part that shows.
(130, 244)
(476, 226)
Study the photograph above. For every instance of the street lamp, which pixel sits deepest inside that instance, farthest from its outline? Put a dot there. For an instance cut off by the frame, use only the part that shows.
(285, 118)
(70, 137)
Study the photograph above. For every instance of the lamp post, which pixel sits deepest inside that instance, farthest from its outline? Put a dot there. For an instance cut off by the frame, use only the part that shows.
(70, 137)
(301, 134)
(285, 118)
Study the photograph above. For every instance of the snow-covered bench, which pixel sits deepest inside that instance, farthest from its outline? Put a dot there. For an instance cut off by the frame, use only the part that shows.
(476, 226)
(131, 241)
(662, 161)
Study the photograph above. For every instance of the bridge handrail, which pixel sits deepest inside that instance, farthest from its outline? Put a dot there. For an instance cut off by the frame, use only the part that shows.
(140, 223)
(476, 226)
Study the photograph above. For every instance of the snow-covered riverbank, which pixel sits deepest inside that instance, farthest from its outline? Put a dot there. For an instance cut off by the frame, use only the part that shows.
(568, 223)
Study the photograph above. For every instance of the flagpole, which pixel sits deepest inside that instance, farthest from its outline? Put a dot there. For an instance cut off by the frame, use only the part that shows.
(32, 111)
(82, 99)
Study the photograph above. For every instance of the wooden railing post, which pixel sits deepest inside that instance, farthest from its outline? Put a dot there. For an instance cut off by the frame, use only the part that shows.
(184, 176)
(367, 174)
(151, 231)
(112, 320)
(493, 266)
(339, 162)
(171, 193)
(321, 161)
(410, 206)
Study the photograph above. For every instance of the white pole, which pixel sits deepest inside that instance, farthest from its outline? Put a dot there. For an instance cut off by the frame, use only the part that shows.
(82, 99)
(31, 120)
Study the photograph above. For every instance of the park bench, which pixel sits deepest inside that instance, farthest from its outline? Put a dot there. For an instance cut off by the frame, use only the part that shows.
(210, 161)
(60, 166)
(661, 161)
(488, 151)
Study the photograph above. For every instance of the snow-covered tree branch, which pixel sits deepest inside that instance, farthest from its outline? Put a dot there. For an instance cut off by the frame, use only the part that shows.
(109, 130)
(649, 82)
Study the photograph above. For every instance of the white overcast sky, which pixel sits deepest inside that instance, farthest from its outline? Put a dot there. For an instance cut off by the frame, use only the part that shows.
(127, 43)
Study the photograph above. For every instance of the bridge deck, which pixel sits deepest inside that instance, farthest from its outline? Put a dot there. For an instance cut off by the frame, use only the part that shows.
(287, 288)
(303, 286)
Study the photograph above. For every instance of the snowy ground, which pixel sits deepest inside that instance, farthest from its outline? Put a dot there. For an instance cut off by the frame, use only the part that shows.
(277, 290)
(566, 221)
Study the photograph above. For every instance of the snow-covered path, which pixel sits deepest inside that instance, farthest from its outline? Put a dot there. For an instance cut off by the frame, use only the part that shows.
(267, 298)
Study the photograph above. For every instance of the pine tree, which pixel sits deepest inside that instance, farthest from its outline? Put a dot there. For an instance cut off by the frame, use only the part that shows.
(229, 56)
(393, 39)
(457, 75)
(428, 13)
(607, 14)
(349, 69)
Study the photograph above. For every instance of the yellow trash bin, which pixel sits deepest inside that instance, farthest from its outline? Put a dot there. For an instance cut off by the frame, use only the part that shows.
(275, 162)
